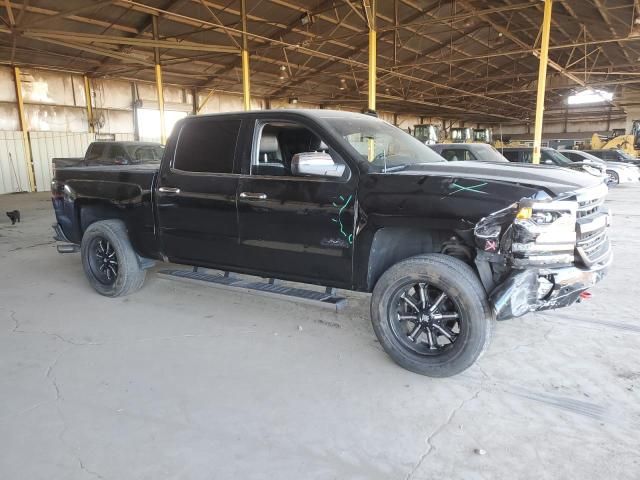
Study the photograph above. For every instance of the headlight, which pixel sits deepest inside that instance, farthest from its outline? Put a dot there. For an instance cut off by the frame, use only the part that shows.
(545, 218)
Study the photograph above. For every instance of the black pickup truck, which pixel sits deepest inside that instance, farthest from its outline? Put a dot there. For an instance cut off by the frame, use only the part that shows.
(348, 201)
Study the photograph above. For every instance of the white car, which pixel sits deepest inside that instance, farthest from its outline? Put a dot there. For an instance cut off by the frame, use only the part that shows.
(617, 172)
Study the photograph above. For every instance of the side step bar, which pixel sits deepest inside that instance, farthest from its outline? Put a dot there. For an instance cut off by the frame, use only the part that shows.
(325, 299)
(68, 248)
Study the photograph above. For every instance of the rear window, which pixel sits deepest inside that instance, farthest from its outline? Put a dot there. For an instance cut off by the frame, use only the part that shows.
(456, 154)
(95, 151)
(207, 145)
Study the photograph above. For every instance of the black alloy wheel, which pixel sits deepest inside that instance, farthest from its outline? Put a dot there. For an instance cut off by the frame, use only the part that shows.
(103, 261)
(424, 319)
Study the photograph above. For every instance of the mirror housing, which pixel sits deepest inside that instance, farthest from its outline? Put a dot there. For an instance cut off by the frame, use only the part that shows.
(315, 164)
(548, 162)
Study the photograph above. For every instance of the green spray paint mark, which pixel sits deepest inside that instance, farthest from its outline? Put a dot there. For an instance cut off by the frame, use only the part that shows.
(469, 188)
(341, 208)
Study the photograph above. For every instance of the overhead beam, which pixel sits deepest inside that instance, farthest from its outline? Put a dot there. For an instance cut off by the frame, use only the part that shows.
(138, 42)
(68, 13)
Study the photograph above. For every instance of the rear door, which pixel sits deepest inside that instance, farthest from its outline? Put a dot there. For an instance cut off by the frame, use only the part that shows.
(294, 227)
(196, 192)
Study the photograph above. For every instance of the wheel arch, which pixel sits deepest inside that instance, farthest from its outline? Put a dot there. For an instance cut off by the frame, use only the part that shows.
(391, 245)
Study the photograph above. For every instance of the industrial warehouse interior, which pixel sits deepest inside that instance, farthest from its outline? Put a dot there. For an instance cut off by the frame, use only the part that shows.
(323, 239)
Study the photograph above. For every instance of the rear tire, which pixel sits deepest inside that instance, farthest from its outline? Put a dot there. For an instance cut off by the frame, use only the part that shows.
(439, 348)
(109, 261)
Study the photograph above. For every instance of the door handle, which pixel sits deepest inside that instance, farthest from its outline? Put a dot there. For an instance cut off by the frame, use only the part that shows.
(169, 190)
(253, 196)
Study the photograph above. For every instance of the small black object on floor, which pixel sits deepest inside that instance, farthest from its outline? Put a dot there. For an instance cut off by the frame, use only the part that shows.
(14, 215)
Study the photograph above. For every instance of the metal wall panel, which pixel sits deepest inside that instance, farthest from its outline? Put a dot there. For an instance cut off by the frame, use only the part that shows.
(13, 167)
(9, 119)
(7, 85)
(112, 94)
(46, 87)
(47, 145)
(56, 118)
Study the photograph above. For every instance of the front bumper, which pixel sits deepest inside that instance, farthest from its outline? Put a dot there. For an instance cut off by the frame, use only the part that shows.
(532, 290)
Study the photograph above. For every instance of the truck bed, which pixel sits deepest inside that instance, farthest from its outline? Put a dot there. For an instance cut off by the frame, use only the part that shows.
(81, 194)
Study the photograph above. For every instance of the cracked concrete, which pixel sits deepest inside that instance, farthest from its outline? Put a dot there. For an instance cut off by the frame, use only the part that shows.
(186, 382)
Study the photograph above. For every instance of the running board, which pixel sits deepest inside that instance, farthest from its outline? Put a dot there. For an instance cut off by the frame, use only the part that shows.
(68, 248)
(325, 299)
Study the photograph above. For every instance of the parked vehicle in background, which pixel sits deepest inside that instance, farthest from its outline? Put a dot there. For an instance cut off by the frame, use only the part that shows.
(550, 156)
(427, 133)
(480, 152)
(114, 153)
(348, 201)
(614, 156)
(617, 172)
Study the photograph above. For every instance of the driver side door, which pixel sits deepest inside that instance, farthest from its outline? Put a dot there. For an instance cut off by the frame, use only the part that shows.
(299, 228)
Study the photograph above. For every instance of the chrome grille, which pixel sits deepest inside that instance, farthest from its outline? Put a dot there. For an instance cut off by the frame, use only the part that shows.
(592, 246)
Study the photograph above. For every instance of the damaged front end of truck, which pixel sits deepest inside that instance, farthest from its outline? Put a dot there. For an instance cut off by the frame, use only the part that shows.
(542, 253)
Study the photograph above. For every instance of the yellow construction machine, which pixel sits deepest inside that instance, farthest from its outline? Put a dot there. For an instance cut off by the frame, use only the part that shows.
(427, 133)
(619, 141)
(469, 135)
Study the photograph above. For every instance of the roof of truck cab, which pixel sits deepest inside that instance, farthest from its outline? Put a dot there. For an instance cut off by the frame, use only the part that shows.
(523, 149)
(315, 113)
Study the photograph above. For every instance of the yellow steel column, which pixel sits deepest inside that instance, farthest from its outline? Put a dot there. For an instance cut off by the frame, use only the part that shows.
(246, 86)
(372, 56)
(23, 126)
(542, 79)
(87, 95)
(371, 153)
(163, 131)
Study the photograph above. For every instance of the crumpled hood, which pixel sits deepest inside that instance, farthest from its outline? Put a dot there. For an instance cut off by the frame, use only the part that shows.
(555, 180)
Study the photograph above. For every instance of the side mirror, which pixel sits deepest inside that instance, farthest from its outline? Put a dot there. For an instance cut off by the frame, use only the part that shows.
(548, 162)
(315, 164)
(119, 160)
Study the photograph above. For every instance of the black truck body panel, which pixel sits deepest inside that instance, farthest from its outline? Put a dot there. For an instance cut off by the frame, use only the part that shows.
(339, 232)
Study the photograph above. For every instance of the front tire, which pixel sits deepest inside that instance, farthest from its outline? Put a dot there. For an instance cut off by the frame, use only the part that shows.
(431, 315)
(109, 261)
(612, 178)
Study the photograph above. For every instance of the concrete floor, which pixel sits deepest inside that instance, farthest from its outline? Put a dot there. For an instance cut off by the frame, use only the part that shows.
(188, 382)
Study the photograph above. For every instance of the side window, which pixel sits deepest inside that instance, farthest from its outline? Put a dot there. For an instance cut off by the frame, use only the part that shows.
(207, 146)
(95, 151)
(278, 143)
(511, 155)
(571, 156)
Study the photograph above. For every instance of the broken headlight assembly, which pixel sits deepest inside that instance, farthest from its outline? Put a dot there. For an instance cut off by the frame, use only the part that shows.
(544, 233)
(537, 231)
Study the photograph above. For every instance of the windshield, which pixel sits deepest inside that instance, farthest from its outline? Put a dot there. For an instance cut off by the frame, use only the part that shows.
(625, 155)
(579, 156)
(487, 153)
(381, 146)
(556, 157)
(145, 153)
